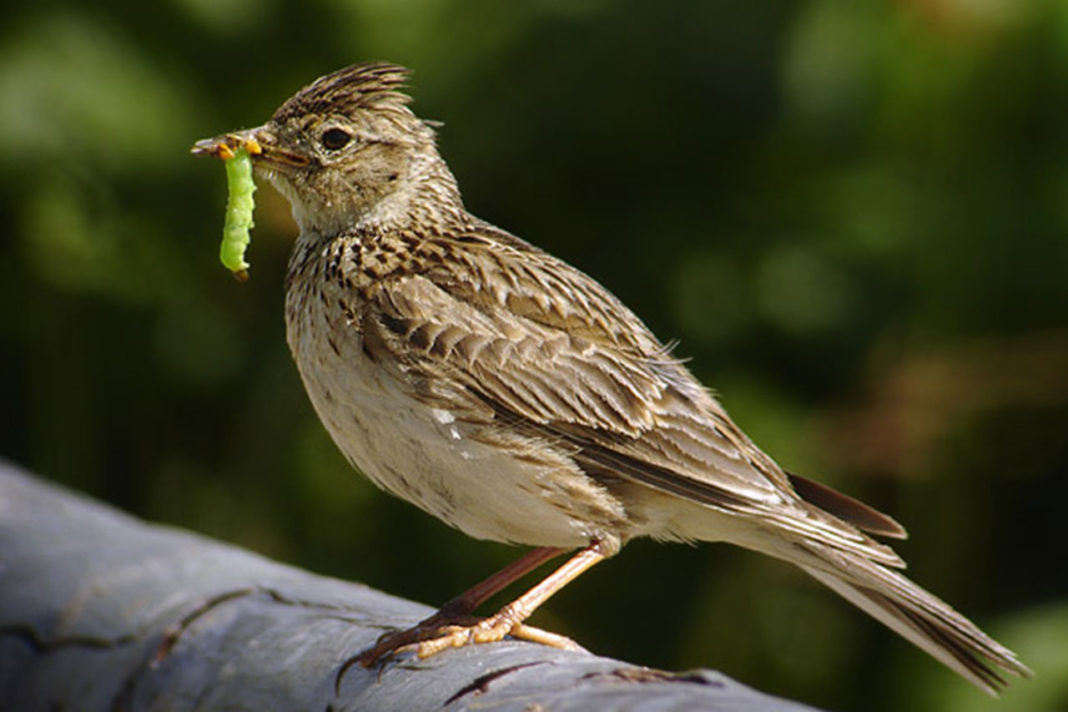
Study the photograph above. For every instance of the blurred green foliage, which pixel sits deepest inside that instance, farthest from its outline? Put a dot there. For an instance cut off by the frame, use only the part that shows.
(852, 214)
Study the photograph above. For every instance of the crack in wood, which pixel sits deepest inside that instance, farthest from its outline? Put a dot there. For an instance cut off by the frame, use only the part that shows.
(480, 684)
(174, 631)
(41, 644)
(643, 674)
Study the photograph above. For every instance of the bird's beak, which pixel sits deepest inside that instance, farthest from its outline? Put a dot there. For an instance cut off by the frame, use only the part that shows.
(260, 143)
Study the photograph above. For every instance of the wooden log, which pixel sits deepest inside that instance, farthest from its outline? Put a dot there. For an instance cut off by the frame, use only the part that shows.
(100, 611)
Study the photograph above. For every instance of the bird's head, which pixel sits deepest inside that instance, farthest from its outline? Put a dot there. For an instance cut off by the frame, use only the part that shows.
(346, 150)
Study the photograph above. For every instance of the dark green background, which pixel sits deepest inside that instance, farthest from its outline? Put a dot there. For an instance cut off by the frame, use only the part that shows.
(852, 214)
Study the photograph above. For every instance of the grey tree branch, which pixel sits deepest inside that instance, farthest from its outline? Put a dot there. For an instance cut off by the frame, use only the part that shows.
(100, 611)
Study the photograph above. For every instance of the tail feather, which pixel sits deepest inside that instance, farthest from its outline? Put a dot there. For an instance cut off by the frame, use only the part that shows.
(848, 509)
(917, 615)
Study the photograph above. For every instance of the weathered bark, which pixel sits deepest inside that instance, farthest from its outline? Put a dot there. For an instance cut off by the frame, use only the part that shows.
(99, 611)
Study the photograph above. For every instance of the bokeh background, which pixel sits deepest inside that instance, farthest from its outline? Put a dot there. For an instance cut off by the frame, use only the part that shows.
(853, 215)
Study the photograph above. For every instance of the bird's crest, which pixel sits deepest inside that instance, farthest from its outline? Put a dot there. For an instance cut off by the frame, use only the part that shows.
(372, 85)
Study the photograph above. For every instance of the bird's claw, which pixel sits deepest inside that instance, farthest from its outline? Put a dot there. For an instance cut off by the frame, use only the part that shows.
(435, 635)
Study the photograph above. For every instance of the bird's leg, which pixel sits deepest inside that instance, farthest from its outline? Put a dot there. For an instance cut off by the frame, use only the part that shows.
(481, 592)
(457, 611)
(509, 620)
(455, 628)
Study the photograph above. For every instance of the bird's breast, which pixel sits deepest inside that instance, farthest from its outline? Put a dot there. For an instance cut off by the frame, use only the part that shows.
(476, 476)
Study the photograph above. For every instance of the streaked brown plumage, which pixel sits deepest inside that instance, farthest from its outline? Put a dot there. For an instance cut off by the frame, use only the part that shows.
(510, 395)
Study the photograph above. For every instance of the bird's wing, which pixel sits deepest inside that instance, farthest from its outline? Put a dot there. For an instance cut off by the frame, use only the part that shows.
(551, 352)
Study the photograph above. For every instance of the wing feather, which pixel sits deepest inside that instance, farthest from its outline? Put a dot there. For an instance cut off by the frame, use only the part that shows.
(553, 353)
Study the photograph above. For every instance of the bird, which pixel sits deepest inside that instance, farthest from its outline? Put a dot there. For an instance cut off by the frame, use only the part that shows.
(510, 395)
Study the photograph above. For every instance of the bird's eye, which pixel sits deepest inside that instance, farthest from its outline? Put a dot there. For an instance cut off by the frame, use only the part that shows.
(333, 139)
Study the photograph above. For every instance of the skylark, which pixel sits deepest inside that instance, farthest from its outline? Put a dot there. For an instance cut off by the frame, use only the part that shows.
(513, 397)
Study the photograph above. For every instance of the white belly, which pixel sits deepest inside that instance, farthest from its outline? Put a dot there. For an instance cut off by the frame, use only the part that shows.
(427, 457)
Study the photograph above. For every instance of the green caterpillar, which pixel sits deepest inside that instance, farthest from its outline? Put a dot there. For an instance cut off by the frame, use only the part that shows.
(239, 207)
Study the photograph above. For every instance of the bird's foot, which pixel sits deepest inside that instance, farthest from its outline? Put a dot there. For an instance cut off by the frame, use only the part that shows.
(444, 630)
(490, 630)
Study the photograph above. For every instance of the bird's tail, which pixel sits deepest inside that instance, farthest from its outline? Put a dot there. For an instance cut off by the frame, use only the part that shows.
(919, 616)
